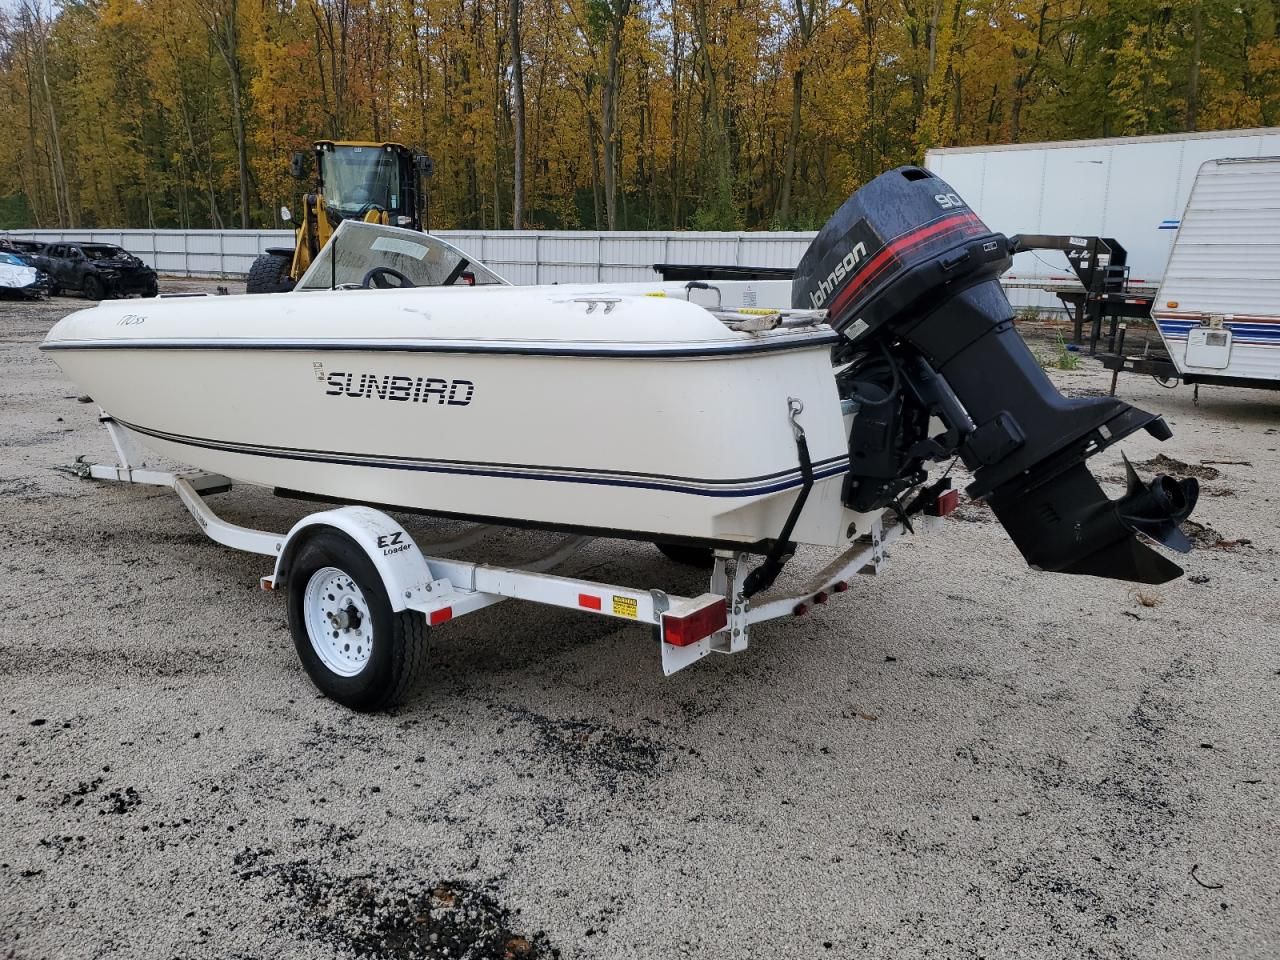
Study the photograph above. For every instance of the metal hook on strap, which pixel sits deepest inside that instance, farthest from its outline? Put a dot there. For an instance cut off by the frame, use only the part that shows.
(762, 577)
(795, 407)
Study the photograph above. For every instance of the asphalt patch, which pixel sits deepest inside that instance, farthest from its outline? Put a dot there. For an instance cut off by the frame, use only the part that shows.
(1207, 538)
(1162, 464)
(387, 918)
(614, 758)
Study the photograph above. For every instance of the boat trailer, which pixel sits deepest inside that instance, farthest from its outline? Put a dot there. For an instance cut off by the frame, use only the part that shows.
(425, 579)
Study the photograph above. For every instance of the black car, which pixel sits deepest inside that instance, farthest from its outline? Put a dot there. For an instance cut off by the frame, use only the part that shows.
(98, 270)
(29, 250)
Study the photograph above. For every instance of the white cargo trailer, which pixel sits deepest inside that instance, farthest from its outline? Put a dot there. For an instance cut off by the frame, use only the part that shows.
(1131, 188)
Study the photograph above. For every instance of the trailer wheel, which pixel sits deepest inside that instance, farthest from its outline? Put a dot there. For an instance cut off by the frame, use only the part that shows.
(355, 648)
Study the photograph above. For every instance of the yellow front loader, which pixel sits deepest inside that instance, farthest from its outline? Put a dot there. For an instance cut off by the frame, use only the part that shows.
(375, 182)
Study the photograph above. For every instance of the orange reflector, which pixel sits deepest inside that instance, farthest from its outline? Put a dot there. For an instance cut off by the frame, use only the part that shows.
(695, 626)
(588, 601)
(267, 583)
(443, 615)
(1172, 304)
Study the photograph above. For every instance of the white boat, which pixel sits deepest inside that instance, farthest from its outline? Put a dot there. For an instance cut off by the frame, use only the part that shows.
(562, 407)
(1218, 307)
(696, 414)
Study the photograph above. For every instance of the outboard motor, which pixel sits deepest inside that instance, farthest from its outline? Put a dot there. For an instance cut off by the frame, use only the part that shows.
(910, 277)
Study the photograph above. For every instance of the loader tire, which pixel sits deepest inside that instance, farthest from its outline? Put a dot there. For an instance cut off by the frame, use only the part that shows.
(269, 274)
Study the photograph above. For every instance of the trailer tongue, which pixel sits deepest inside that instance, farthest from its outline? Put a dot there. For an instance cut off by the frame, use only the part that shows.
(909, 276)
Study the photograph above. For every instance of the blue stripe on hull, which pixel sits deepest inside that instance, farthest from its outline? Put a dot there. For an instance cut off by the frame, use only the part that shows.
(831, 467)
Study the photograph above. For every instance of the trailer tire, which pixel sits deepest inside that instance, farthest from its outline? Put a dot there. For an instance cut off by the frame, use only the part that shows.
(390, 662)
(269, 274)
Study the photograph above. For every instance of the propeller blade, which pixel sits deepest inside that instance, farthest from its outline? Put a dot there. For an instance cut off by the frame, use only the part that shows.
(1132, 481)
(1155, 510)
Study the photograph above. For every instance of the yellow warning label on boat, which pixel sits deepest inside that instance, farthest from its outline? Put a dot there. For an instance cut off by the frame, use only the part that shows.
(625, 607)
(658, 293)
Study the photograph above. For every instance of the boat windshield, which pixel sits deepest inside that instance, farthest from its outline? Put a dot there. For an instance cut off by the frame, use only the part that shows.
(372, 255)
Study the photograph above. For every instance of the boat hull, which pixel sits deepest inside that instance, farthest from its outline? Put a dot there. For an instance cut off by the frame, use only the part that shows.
(655, 421)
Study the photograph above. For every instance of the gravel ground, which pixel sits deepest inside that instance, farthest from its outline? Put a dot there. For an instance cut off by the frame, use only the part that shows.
(961, 758)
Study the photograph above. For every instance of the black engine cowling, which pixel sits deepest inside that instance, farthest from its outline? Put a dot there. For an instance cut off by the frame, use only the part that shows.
(910, 276)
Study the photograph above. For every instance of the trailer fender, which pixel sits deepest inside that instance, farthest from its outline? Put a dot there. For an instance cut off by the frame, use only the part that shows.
(394, 553)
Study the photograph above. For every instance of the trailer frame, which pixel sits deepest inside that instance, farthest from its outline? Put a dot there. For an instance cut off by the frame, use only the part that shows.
(427, 579)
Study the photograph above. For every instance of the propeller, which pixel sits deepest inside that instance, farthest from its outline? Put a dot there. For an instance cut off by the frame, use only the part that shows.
(1156, 509)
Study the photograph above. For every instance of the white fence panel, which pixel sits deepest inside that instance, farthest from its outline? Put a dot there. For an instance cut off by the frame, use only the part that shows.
(521, 256)
(524, 256)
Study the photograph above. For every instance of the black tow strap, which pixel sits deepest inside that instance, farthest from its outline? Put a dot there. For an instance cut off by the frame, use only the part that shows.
(762, 577)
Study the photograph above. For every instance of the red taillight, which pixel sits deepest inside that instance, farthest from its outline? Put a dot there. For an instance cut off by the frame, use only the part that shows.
(947, 501)
(691, 627)
(437, 617)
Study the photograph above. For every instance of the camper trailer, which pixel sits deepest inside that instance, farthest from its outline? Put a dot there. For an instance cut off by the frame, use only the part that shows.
(1218, 306)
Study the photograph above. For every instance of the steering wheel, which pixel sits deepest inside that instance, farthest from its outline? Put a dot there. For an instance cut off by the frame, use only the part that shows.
(377, 278)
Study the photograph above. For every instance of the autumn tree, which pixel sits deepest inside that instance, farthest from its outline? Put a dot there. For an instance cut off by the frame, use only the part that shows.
(587, 113)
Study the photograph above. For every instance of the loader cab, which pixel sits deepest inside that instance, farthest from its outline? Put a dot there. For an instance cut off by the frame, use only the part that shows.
(355, 180)
(381, 183)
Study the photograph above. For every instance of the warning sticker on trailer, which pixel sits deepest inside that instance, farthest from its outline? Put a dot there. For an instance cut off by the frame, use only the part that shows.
(625, 607)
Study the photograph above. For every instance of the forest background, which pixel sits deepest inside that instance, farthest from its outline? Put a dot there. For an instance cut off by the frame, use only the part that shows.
(604, 114)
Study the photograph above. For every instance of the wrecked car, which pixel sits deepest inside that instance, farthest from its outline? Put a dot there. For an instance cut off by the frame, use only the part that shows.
(20, 277)
(98, 271)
